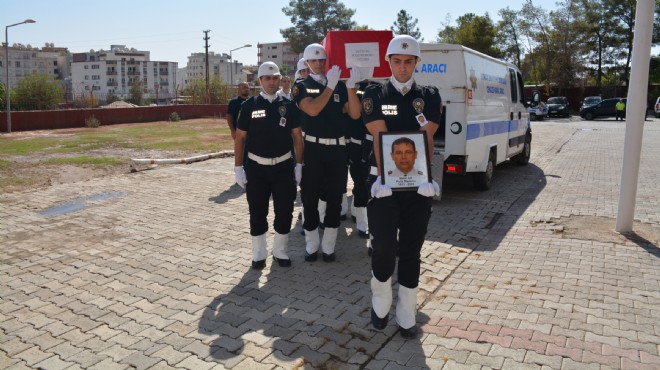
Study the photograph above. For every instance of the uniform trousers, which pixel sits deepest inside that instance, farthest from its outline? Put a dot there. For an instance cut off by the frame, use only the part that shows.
(406, 213)
(262, 182)
(323, 174)
(359, 171)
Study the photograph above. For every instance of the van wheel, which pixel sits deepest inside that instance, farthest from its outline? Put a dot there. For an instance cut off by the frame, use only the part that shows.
(589, 116)
(532, 116)
(523, 158)
(483, 180)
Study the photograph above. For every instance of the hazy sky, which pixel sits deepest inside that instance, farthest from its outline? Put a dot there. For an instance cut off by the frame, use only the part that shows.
(172, 30)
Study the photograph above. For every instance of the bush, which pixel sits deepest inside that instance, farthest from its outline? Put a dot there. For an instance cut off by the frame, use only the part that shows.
(174, 117)
(92, 122)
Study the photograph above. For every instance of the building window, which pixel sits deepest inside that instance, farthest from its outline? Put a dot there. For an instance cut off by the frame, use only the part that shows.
(95, 66)
(86, 67)
(86, 77)
(96, 77)
(55, 62)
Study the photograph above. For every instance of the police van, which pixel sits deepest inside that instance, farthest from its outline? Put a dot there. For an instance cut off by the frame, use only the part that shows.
(485, 120)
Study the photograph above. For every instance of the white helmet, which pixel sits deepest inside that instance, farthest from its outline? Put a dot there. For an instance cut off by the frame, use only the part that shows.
(403, 44)
(314, 51)
(301, 64)
(268, 69)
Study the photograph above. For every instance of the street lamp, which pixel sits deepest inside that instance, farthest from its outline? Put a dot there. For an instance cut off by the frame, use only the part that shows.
(7, 85)
(231, 70)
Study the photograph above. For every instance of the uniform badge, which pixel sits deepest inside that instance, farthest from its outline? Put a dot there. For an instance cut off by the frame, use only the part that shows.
(418, 104)
(295, 91)
(282, 110)
(336, 98)
(368, 105)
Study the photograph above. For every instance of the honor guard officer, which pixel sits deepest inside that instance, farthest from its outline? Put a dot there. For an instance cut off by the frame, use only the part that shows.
(271, 128)
(398, 221)
(235, 106)
(322, 99)
(302, 71)
(285, 88)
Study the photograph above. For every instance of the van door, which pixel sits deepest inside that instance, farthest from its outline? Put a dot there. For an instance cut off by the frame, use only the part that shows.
(518, 115)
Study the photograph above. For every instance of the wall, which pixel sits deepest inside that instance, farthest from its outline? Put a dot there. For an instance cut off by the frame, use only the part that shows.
(70, 118)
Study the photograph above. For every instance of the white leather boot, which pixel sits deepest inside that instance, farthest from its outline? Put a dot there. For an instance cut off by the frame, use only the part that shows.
(280, 242)
(344, 207)
(381, 300)
(406, 308)
(361, 222)
(313, 242)
(328, 243)
(259, 251)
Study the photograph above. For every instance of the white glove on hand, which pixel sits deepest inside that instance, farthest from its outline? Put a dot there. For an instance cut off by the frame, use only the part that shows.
(355, 78)
(333, 77)
(429, 189)
(379, 190)
(239, 175)
(298, 172)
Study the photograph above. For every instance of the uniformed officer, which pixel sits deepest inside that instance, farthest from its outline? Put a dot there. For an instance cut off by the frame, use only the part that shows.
(285, 88)
(235, 106)
(322, 100)
(270, 128)
(302, 71)
(398, 221)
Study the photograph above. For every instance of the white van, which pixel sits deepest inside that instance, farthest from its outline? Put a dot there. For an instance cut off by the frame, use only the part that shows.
(485, 120)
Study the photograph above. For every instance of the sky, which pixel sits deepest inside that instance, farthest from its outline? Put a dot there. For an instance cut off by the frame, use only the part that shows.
(172, 30)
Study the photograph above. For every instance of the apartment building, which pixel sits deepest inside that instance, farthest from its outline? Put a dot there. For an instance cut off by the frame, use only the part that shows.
(114, 71)
(281, 54)
(25, 59)
(219, 65)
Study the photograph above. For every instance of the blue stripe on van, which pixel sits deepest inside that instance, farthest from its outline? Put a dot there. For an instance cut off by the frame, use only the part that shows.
(490, 128)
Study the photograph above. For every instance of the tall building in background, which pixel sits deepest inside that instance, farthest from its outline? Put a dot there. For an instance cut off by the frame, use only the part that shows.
(114, 71)
(219, 65)
(25, 59)
(281, 54)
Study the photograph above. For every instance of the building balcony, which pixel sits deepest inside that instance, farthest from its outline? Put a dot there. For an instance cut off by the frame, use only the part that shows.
(133, 73)
(111, 73)
(112, 83)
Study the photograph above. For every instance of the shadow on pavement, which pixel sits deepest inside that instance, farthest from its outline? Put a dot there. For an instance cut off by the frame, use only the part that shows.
(234, 191)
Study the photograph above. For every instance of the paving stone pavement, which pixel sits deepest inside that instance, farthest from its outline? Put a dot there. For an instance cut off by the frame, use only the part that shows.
(151, 270)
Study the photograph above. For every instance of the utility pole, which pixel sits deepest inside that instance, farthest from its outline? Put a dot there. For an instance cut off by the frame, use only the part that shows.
(206, 47)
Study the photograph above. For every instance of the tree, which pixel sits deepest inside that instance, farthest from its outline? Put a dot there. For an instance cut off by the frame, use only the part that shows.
(312, 19)
(405, 25)
(37, 92)
(136, 93)
(474, 31)
(3, 95)
(509, 36)
(566, 40)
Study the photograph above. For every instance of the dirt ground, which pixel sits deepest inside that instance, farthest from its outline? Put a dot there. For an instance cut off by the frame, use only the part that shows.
(37, 175)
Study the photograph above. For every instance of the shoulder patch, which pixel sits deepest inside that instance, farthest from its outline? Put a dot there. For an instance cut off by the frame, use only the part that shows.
(368, 105)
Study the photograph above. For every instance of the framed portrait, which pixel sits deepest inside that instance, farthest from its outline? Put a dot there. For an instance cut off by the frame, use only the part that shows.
(404, 160)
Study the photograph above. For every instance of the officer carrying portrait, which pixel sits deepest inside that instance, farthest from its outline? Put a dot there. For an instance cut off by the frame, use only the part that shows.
(405, 163)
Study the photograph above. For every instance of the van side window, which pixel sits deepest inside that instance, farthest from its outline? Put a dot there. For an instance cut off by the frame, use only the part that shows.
(514, 86)
(521, 88)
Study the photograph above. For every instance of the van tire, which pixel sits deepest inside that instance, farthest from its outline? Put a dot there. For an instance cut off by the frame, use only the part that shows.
(483, 180)
(589, 116)
(532, 116)
(523, 158)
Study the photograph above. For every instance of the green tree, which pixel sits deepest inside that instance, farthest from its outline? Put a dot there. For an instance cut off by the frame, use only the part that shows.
(406, 25)
(508, 35)
(474, 31)
(3, 97)
(312, 19)
(37, 92)
(566, 40)
(136, 93)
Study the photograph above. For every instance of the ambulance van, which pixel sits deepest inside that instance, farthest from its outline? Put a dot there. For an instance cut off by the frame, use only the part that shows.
(485, 120)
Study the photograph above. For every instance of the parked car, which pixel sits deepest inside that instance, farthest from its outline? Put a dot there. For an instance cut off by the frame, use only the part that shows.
(558, 106)
(606, 108)
(538, 112)
(590, 100)
(657, 108)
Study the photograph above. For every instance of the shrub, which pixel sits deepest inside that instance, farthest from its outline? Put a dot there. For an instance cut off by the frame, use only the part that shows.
(174, 117)
(92, 122)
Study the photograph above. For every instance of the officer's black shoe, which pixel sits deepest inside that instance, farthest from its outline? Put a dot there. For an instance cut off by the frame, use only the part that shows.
(354, 219)
(302, 231)
(259, 265)
(329, 257)
(310, 257)
(377, 322)
(408, 333)
(342, 217)
(363, 234)
(370, 251)
(282, 262)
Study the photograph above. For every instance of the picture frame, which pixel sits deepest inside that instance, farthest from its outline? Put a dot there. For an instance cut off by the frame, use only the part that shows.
(405, 164)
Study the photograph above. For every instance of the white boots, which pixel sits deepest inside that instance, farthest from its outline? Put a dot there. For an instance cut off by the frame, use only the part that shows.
(313, 242)
(328, 243)
(260, 250)
(406, 307)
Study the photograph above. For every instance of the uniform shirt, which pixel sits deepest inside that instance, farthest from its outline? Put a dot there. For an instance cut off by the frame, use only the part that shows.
(235, 107)
(329, 122)
(268, 126)
(401, 112)
(398, 173)
(287, 96)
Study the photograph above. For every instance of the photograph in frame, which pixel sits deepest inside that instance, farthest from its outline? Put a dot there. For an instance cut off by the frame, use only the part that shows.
(404, 160)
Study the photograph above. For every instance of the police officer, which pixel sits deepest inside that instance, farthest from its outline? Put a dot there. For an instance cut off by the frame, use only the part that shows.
(270, 128)
(398, 221)
(235, 106)
(322, 99)
(285, 88)
(302, 71)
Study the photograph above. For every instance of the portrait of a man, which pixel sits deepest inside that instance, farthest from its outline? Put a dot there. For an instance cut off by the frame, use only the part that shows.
(405, 168)
(404, 155)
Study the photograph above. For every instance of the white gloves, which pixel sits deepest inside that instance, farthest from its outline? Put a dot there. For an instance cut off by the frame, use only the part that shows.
(429, 189)
(355, 78)
(333, 77)
(298, 172)
(379, 190)
(239, 175)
